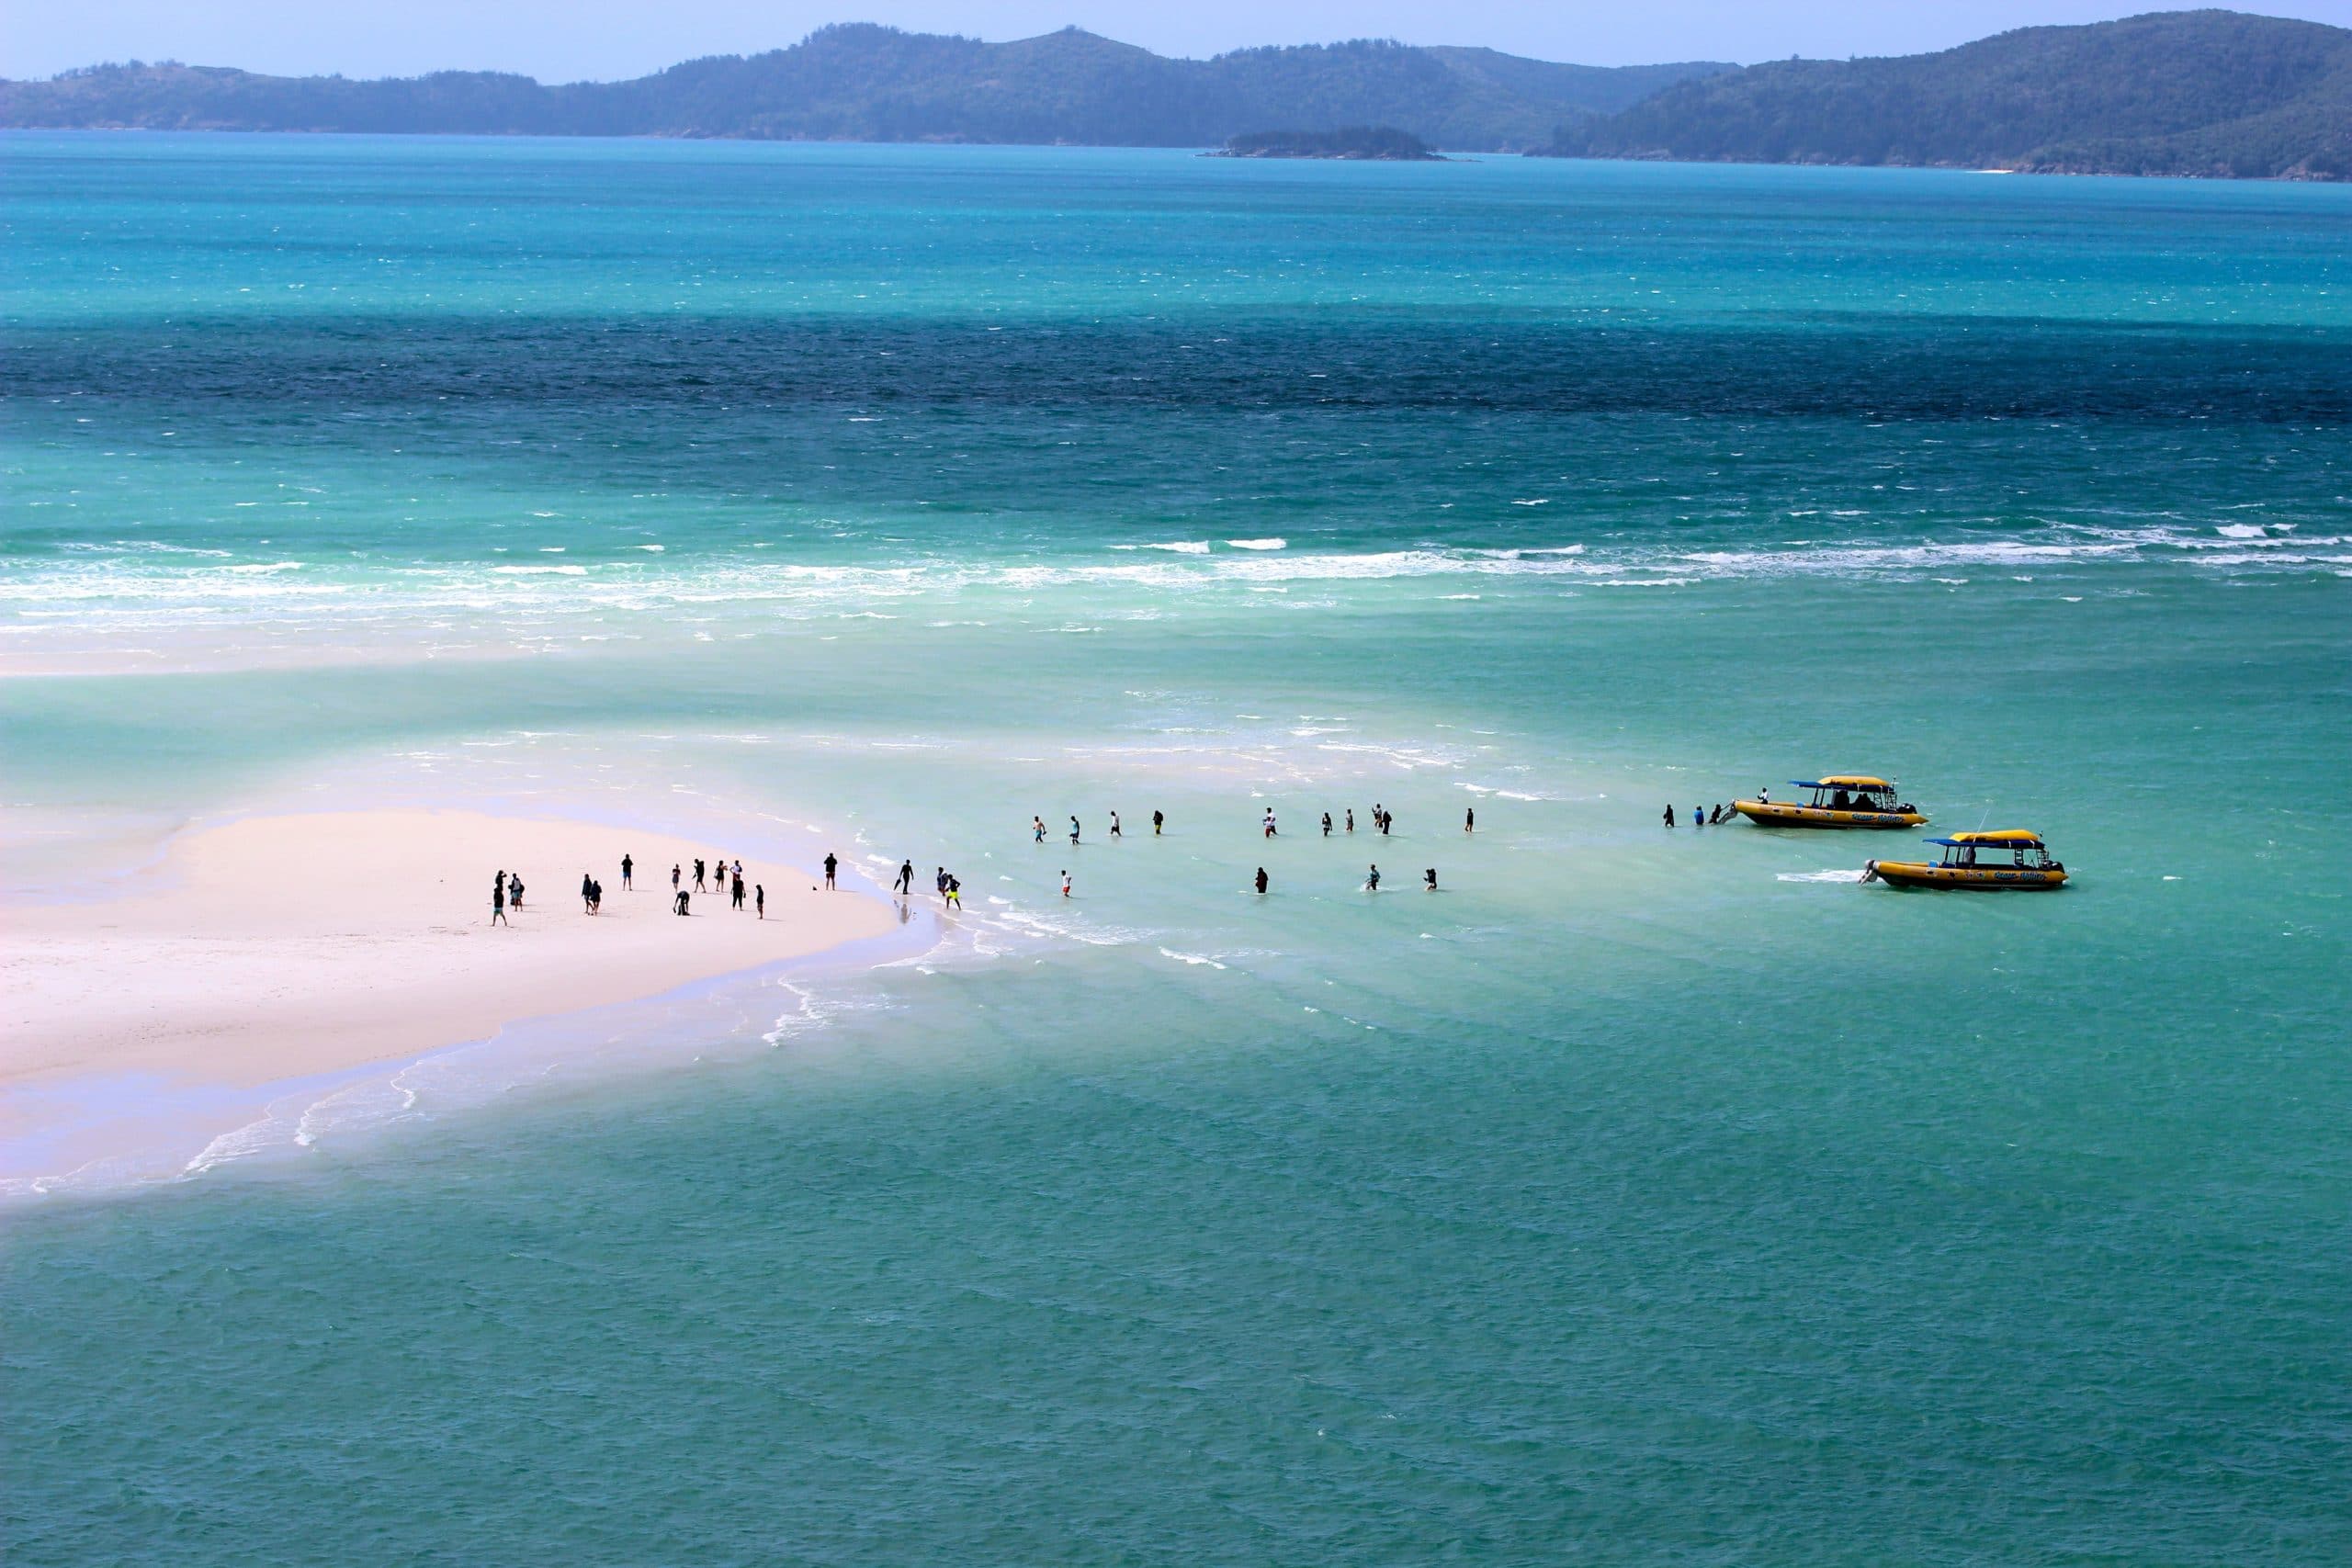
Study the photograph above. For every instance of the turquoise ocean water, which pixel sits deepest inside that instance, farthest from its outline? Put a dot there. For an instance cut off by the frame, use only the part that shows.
(1642, 1197)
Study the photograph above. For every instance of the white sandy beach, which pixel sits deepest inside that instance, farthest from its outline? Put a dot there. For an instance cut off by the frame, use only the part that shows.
(275, 947)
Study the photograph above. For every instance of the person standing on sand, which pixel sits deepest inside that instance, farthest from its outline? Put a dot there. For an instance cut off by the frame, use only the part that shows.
(905, 878)
(674, 873)
(514, 891)
(596, 898)
(497, 902)
(832, 866)
(759, 900)
(1262, 881)
(628, 867)
(697, 874)
(499, 884)
(1157, 821)
(587, 893)
(739, 871)
(739, 891)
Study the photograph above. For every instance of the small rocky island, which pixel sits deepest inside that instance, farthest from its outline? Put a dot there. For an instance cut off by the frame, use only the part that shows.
(1384, 143)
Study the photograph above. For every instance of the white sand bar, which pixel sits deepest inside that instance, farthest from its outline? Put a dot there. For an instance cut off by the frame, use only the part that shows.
(277, 947)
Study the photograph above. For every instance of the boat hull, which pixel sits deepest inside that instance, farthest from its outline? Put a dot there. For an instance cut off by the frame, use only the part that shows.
(1774, 814)
(1968, 878)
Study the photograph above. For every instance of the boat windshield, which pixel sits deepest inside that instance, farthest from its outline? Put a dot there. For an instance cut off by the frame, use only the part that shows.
(2031, 857)
(1856, 797)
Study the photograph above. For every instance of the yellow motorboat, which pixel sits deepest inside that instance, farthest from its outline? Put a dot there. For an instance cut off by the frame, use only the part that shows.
(1842, 800)
(2006, 858)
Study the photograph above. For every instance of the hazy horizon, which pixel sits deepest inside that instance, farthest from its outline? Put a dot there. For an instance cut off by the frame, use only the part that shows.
(613, 39)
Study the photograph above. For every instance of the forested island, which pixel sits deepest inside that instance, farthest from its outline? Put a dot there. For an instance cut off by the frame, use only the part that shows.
(1378, 143)
(2196, 93)
(2205, 93)
(862, 83)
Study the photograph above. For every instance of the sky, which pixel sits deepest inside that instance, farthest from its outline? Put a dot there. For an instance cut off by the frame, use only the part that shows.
(604, 39)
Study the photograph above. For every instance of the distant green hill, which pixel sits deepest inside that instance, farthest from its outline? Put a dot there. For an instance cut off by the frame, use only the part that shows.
(2207, 93)
(875, 83)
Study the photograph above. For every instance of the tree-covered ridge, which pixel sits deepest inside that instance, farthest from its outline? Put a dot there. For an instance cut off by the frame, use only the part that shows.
(865, 83)
(2202, 93)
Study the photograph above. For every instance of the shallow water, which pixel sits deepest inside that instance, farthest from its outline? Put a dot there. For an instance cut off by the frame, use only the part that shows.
(1648, 1196)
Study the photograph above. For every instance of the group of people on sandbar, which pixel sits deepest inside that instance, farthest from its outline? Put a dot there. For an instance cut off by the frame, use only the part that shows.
(730, 880)
(506, 887)
(726, 877)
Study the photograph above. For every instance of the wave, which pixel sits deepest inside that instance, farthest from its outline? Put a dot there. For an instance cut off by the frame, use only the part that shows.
(99, 592)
